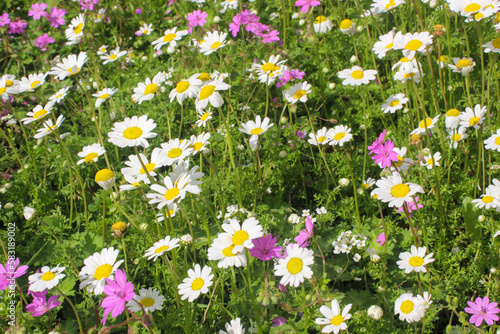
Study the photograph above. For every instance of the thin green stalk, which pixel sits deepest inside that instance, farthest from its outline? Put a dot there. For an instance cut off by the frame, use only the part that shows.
(353, 187)
(74, 309)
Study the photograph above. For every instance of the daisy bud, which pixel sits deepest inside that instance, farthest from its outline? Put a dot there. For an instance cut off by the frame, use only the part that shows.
(375, 312)
(7, 185)
(144, 58)
(295, 16)
(360, 28)
(360, 191)
(353, 59)
(481, 218)
(9, 206)
(94, 85)
(283, 154)
(331, 85)
(28, 212)
(493, 270)
(253, 11)
(240, 147)
(325, 70)
(344, 182)
(283, 119)
(105, 178)
(143, 226)
(362, 127)
(112, 115)
(433, 3)
(381, 289)
(170, 49)
(450, 88)
(2, 190)
(186, 239)
(406, 110)
(302, 22)
(216, 19)
(455, 250)
(119, 229)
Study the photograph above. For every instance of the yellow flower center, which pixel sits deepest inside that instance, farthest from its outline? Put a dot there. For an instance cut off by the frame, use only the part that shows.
(215, 45)
(404, 60)
(104, 175)
(409, 75)
(113, 57)
(204, 77)
(497, 140)
(239, 237)
(339, 136)
(40, 113)
(133, 132)
(400, 162)
(358, 74)
(425, 123)
(174, 153)
(478, 16)
(70, 70)
(228, 251)
(104, 96)
(119, 226)
(147, 302)
(78, 29)
(207, 91)
(171, 194)
(197, 284)
(345, 24)
(457, 137)
(197, 146)
(205, 116)
(407, 306)
(90, 157)
(495, 42)
(270, 67)
(413, 45)
(295, 265)
(136, 184)
(168, 38)
(150, 89)
(182, 86)
(321, 139)
(473, 121)
(394, 103)
(389, 46)
(464, 63)
(149, 167)
(103, 271)
(416, 261)
(298, 94)
(2, 90)
(337, 320)
(9, 83)
(473, 7)
(50, 128)
(487, 199)
(453, 113)
(430, 161)
(400, 190)
(161, 249)
(320, 19)
(48, 276)
(35, 84)
(256, 131)
(390, 4)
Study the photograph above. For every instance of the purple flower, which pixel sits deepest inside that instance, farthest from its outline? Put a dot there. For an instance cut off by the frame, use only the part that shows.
(384, 154)
(40, 305)
(118, 292)
(4, 19)
(377, 142)
(56, 17)
(279, 321)
(196, 18)
(481, 310)
(264, 248)
(38, 10)
(290, 75)
(301, 134)
(138, 11)
(88, 4)
(411, 206)
(269, 36)
(17, 26)
(305, 4)
(42, 41)
(234, 27)
(10, 272)
(305, 234)
(282, 288)
(381, 239)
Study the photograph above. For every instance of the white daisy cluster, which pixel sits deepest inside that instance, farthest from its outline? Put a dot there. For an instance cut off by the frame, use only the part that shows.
(457, 123)
(491, 197)
(347, 240)
(269, 71)
(339, 135)
(231, 211)
(294, 218)
(474, 10)
(412, 308)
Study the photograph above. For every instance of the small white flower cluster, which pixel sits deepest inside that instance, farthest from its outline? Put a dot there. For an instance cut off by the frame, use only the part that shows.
(346, 241)
(321, 211)
(231, 211)
(294, 218)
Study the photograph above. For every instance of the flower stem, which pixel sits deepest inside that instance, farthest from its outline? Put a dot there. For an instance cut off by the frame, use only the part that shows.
(74, 309)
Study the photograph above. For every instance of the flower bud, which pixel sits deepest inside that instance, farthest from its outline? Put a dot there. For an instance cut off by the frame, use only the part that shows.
(353, 59)
(331, 85)
(216, 19)
(481, 218)
(325, 70)
(302, 22)
(344, 182)
(375, 312)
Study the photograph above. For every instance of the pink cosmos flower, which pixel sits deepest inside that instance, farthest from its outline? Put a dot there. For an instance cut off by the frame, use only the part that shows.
(42, 41)
(381, 239)
(411, 206)
(17, 26)
(279, 321)
(264, 248)
(377, 142)
(40, 305)
(385, 155)
(4, 19)
(38, 10)
(196, 18)
(305, 4)
(305, 234)
(118, 292)
(10, 272)
(481, 310)
(56, 17)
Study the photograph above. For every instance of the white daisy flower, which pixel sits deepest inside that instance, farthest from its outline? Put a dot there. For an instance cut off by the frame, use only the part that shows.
(198, 282)
(186, 88)
(209, 93)
(385, 43)
(31, 82)
(105, 178)
(204, 117)
(457, 135)
(411, 43)
(176, 150)
(472, 118)
(113, 56)
(90, 153)
(322, 137)
(403, 163)
(425, 300)
(49, 127)
(339, 135)
(169, 193)
(150, 299)
(416, 260)
(145, 29)
(348, 27)
(38, 112)
(223, 251)
(431, 161)
(171, 36)
(405, 75)
(180, 171)
(133, 182)
(98, 267)
(161, 247)
(235, 326)
(199, 143)
(356, 76)
(296, 266)
(240, 236)
(409, 308)
(59, 95)
(322, 24)
(8, 86)
(298, 92)
(368, 183)
(425, 125)
(212, 42)
(334, 320)
(487, 201)
(394, 103)
(493, 143)
(492, 46)
(452, 120)
(103, 95)
(135, 169)
(74, 32)
(132, 132)
(100, 15)
(392, 190)
(462, 65)
(146, 90)
(46, 279)
(257, 128)
(69, 66)
(102, 50)
(171, 211)
(443, 61)
(269, 71)
(382, 6)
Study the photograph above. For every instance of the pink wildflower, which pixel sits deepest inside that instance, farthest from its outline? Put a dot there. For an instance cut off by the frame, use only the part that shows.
(290, 75)
(377, 142)
(88, 4)
(40, 305)
(384, 154)
(138, 11)
(42, 41)
(4, 19)
(305, 234)
(38, 10)
(305, 4)
(411, 206)
(481, 310)
(264, 248)
(118, 292)
(10, 272)
(381, 239)
(196, 18)
(279, 321)
(56, 17)
(17, 26)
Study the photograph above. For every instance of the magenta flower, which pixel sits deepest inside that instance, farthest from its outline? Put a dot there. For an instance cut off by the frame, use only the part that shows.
(411, 206)
(234, 27)
(42, 41)
(268, 35)
(17, 26)
(282, 288)
(279, 321)
(4, 19)
(385, 155)
(305, 4)
(138, 11)
(196, 18)
(481, 310)
(377, 142)
(40, 305)
(305, 234)
(10, 272)
(290, 75)
(264, 248)
(38, 10)
(118, 292)
(56, 17)
(88, 4)
(381, 239)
